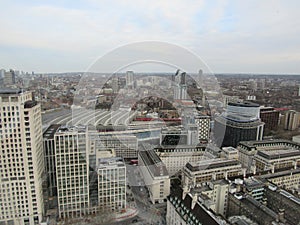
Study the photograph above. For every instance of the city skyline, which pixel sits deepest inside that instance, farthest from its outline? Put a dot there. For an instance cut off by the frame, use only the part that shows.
(230, 37)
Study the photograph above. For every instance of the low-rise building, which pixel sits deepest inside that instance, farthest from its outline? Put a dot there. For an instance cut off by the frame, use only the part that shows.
(125, 146)
(194, 174)
(176, 157)
(289, 179)
(230, 153)
(248, 149)
(155, 174)
(216, 192)
(277, 160)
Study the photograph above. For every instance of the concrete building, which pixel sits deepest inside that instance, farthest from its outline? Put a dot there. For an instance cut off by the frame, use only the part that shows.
(230, 153)
(240, 122)
(125, 146)
(270, 117)
(72, 171)
(129, 79)
(179, 135)
(180, 88)
(9, 78)
(288, 179)
(283, 159)
(111, 184)
(254, 188)
(176, 157)
(213, 195)
(248, 150)
(49, 152)
(22, 159)
(291, 120)
(155, 175)
(203, 123)
(194, 174)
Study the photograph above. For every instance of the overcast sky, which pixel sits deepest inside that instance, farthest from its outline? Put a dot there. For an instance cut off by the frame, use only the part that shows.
(250, 36)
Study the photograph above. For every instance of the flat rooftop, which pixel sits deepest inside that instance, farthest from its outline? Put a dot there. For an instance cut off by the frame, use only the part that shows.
(110, 162)
(278, 154)
(51, 130)
(154, 163)
(211, 164)
(10, 91)
(269, 143)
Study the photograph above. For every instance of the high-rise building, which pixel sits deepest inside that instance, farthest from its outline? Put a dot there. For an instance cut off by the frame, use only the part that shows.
(291, 120)
(180, 89)
(270, 117)
(203, 123)
(22, 159)
(111, 184)
(72, 163)
(49, 151)
(129, 79)
(9, 78)
(240, 122)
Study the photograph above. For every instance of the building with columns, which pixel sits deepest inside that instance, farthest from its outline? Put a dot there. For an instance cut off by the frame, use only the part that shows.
(269, 155)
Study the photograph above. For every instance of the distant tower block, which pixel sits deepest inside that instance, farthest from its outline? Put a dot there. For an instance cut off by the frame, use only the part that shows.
(129, 79)
(299, 91)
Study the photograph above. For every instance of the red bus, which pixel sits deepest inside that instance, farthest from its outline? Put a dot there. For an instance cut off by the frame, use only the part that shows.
(134, 162)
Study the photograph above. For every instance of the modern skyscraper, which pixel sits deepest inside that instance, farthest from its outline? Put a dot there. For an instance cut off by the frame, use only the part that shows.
(240, 122)
(22, 159)
(72, 172)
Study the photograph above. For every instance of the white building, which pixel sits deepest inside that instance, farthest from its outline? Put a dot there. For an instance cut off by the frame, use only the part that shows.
(194, 174)
(176, 157)
(22, 159)
(214, 196)
(230, 153)
(155, 175)
(111, 184)
(274, 154)
(72, 171)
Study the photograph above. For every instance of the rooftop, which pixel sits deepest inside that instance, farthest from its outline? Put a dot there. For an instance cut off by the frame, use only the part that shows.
(277, 154)
(154, 163)
(198, 214)
(51, 130)
(243, 104)
(270, 143)
(211, 164)
(9, 91)
(110, 162)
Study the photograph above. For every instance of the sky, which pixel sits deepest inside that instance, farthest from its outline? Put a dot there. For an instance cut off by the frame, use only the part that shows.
(233, 36)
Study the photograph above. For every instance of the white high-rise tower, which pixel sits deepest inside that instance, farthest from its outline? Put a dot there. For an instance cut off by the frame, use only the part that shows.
(22, 160)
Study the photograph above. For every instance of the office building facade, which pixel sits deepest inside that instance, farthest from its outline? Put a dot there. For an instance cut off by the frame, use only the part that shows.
(22, 159)
(240, 122)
